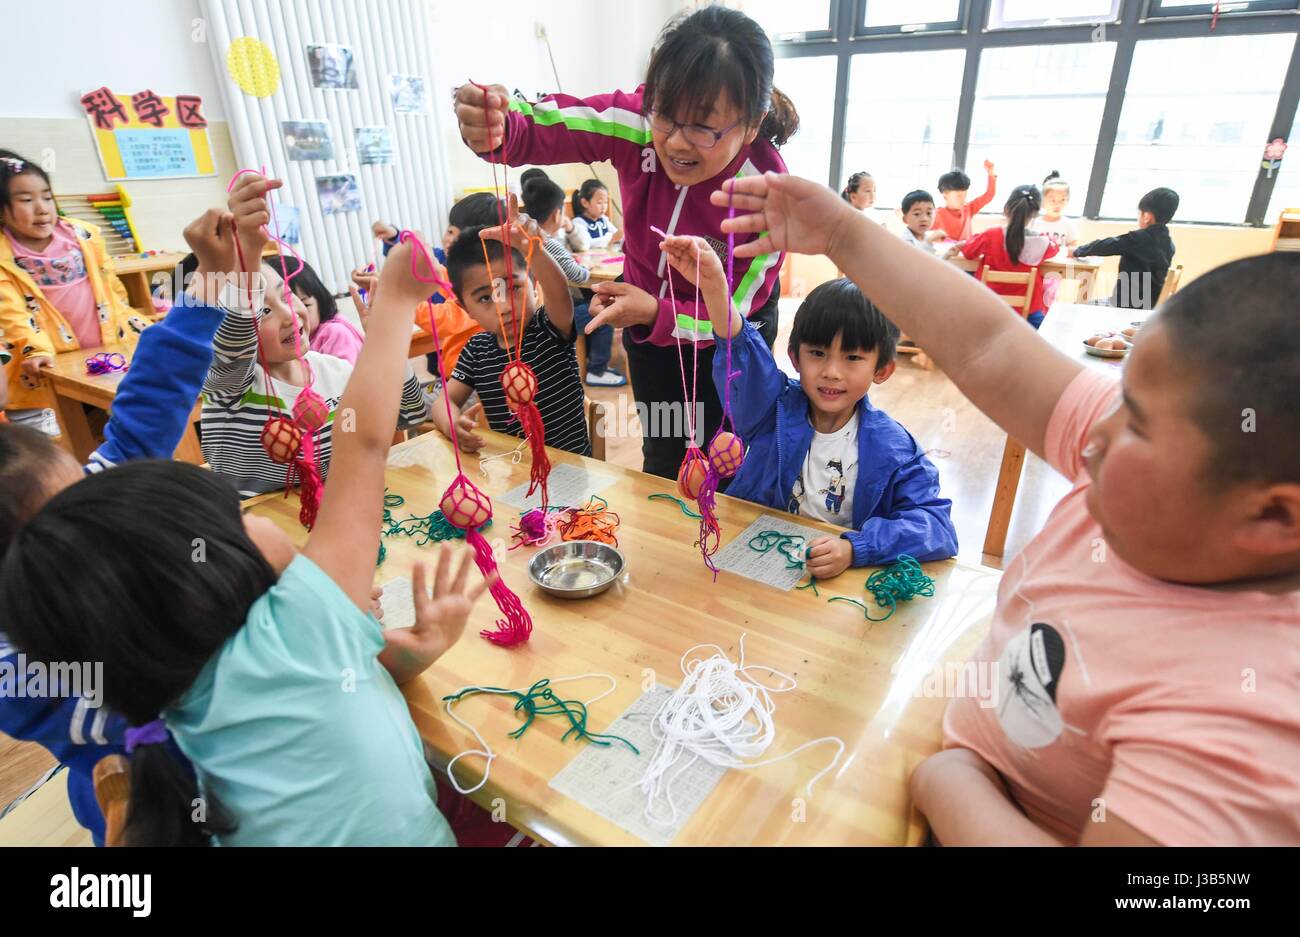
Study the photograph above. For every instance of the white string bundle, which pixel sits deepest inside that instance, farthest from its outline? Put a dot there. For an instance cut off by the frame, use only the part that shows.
(484, 749)
(719, 713)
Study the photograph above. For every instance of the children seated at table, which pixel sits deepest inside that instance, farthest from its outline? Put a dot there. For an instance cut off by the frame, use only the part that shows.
(917, 209)
(1014, 248)
(953, 219)
(543, 338)
(817, 447)
(58, 291)
(544, 203)
(592, 228)
(1144, 254)
(1144, 644)
(277, 684)
(262, 363)
(150, 413)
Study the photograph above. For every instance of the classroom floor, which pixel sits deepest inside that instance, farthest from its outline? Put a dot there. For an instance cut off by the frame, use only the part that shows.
(964, 444)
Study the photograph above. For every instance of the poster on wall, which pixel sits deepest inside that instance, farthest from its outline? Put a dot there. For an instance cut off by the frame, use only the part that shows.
(331, 66)
(289, 220)
(374, 146)
(147, 136)
(307, 139)
(407, 93)
(338, 194)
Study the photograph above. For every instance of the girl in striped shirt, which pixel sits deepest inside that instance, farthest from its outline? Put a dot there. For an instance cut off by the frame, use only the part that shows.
(257, 371)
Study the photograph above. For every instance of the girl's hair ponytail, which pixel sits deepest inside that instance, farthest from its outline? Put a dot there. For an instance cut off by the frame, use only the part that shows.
(851, 186)
(585, 192)
(1021, 207)
(166, 808)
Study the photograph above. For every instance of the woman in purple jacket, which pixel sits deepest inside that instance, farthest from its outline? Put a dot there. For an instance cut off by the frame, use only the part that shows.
(707, 111)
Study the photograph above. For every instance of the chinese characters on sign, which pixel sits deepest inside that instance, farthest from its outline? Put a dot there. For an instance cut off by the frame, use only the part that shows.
(147, 136)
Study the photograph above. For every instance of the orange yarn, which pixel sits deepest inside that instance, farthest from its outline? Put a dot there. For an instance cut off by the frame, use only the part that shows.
(592, 521)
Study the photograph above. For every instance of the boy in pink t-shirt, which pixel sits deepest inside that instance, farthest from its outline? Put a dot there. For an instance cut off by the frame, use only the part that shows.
(1145, 646)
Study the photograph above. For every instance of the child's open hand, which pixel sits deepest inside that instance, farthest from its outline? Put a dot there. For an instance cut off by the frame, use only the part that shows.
(247, 202)
(828, 557)
(466, 423)
(798, 215)
(439, 618)
(683, 252)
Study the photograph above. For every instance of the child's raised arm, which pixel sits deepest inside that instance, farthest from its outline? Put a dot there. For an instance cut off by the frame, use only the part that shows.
(993, 356)
(345, 540)
(555, 286)
(691, 254)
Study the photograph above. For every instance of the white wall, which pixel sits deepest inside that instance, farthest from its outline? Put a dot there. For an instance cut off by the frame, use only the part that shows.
(56, 50)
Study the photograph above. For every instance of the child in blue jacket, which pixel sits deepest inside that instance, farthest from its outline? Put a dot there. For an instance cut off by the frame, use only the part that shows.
(150, 413)
(816, 446)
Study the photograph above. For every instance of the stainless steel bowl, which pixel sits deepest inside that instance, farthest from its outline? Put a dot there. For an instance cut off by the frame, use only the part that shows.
(576, 569)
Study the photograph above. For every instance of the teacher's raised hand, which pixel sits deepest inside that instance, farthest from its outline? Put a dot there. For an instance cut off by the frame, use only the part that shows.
(482, 115)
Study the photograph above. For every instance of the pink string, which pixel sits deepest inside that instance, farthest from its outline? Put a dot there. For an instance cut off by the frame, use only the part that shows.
(433, 276)
(688, 400)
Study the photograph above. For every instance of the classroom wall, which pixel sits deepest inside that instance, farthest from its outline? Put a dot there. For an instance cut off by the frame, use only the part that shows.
(1200, 248)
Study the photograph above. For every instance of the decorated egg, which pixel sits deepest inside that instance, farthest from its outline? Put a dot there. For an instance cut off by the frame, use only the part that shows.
(520, 384)
(465, 506)
(310, 411)
(726, 452)
(690, 477)
(281, 439)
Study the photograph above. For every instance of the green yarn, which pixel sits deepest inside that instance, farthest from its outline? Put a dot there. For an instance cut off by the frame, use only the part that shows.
(427, 527)
(810, 584)
(549, 705)
(764, 542)
(901, 581)
(678, 501)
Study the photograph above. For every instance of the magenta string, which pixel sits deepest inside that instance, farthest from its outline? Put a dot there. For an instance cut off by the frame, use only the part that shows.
(688, 399)
(433, 276)
(731, 274)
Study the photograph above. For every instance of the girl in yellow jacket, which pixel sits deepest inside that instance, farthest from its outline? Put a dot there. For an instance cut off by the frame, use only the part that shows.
(57, 289)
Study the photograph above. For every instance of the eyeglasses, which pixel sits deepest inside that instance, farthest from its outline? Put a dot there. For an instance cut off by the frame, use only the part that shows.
(694, 134)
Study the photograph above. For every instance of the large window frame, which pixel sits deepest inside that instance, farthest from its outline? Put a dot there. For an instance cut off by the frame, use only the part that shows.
(1135, 24)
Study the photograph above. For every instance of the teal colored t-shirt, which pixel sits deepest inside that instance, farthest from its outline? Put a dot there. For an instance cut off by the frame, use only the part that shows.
(301, 733)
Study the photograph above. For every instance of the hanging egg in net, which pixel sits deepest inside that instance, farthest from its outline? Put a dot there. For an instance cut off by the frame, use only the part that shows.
(310, 411)
(519, 383)
(465, 506)
(690, 477)
(726, 453)
(281, 439)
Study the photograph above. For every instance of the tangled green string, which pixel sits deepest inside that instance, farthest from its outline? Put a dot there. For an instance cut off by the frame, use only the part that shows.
(784, 543)
(901, 581)
(677, 501)
(810, 584)
(540, 700)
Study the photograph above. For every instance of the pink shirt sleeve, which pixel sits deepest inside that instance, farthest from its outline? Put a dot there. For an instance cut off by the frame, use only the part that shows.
(1088, 398)
(338, 337)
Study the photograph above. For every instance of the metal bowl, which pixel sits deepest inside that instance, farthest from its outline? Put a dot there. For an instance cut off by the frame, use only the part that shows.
(576, 569)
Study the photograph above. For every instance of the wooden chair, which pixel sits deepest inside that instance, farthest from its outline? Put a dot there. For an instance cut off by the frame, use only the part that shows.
(112, 779)
(1172, 279)
(1018, 303)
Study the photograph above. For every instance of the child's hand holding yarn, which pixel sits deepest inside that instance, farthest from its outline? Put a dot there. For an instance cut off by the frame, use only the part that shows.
(397, 281)
(248, 204)
(466, 423)
(692, 255)
(828, 557)
(212, 238)
(439, 618)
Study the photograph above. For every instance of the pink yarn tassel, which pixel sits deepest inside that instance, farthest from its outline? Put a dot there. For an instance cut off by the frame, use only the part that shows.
(517, 624)
(310, 486)
(710, 531)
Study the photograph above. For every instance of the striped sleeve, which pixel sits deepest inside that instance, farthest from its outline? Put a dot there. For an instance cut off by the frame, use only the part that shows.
(563, 129)
(573, 271)
(234, 354)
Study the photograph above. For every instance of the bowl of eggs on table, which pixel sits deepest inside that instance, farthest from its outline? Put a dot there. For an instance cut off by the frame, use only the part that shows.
(1107, 344)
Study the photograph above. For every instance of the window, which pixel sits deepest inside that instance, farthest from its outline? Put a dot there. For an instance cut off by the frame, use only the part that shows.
(1195, 118)
(1028, 14)
(810, 84)
(1038, 108)
(902, 117)
(789, 22)
(1164, 8)
(912, 16)
(1286, 190)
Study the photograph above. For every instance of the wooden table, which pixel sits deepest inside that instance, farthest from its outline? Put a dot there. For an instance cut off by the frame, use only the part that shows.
(605, 265)
(1065, 327)
(856, 680)
(1082, 271)
(70, 387)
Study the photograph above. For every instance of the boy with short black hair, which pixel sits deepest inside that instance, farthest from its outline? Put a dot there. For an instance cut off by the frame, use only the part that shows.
(918, 219)
(1144, 254)
(816, 445)
(953, 220)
